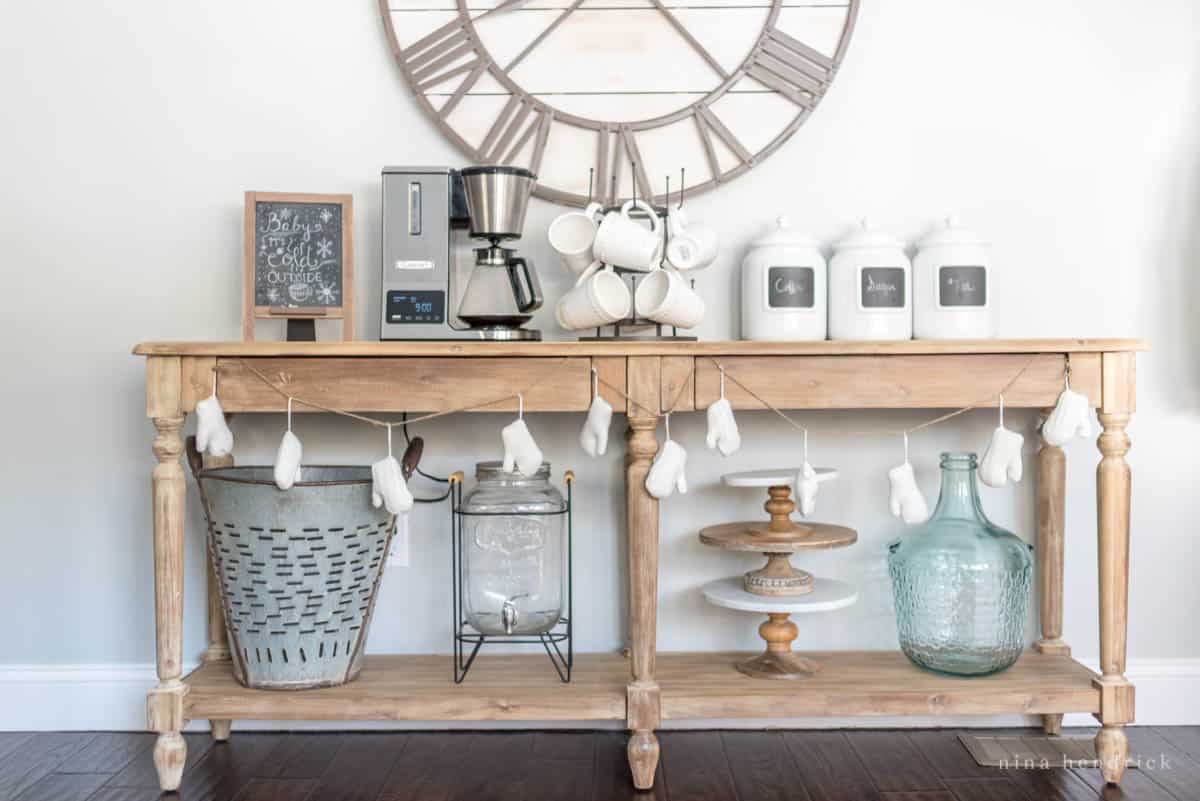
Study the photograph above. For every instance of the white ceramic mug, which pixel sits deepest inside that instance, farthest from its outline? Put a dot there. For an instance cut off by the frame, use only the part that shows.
(691, 247)
(572, 234)
(598, 298)
(664, 296)
(624, 242)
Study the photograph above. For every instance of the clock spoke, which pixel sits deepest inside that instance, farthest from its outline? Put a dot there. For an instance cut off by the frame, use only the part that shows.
(541, 37)
(686, 34)
(477, 71)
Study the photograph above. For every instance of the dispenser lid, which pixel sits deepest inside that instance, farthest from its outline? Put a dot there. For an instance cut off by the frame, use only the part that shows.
(782, 233)
(950, 232)
(864, 236)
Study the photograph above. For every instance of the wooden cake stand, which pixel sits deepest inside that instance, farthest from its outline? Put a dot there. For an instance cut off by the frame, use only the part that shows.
(779, 537)
(778, 661)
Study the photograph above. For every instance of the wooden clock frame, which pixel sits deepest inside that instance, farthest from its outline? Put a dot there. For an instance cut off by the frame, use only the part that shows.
(777, 61)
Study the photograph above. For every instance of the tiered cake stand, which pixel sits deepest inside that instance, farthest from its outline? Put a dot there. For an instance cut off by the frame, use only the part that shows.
(777, 589)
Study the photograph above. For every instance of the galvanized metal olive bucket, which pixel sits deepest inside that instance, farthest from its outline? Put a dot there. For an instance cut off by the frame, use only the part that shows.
(298, 570)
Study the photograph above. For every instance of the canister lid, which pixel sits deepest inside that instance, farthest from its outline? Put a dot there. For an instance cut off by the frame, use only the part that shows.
(949, 232)
(864, 236)
(782, 233)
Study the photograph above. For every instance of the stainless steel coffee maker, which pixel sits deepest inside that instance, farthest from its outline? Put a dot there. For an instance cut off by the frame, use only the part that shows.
(433, 288)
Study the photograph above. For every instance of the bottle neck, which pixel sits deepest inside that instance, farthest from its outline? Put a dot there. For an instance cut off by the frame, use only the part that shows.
(959, 494)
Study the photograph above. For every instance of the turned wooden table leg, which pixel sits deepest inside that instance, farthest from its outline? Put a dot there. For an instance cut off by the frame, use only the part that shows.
(1113, 483)
(218, 640)
(643, 706)
(165, 704)
(1051, 529)
(642, 696)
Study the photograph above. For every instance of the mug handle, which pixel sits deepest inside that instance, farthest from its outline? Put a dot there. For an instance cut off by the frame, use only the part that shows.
(591, 270)
(594, 209)
(644, 206)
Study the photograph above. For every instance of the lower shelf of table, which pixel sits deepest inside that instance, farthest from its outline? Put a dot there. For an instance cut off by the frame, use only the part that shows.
(693, 685)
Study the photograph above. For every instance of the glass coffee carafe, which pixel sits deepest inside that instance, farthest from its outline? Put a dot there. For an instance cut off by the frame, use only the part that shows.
(961, 583)
(513, 555)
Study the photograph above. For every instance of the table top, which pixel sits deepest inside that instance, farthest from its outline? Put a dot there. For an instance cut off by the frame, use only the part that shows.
(776, 477)
(463, 348)
(826, 596)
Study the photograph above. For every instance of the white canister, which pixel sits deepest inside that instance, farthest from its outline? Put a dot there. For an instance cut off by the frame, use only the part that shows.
(783, 287)
(952, 274)
(870, 287)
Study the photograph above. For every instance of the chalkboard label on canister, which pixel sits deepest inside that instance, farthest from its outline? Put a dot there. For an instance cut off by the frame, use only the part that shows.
(790, 288)
(962, 286)
(882, 287)
(297, 254)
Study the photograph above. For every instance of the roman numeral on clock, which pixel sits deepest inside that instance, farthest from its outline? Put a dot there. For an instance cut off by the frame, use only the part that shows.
(499, 147)
(792, 68)
(707, 124)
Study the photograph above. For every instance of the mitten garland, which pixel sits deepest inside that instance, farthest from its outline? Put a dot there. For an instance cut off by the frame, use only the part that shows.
(520, 451)
(667, 471)
(213, 435)
(388, 487)
(1069, 418)
(1002, 460)
(287, 461)
(807, 484)
(593, 437)
(906, 500)
(722, 428)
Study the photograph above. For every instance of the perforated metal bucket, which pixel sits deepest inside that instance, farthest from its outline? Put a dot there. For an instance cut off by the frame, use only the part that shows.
(298, 571)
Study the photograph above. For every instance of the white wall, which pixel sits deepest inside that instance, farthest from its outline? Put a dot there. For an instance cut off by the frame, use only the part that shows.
(1067, 133)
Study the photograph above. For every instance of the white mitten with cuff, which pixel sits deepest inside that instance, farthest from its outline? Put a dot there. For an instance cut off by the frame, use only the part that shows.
(667, 471)
(287, 461)
(593, 438)
(1069, 418)
(807, 484)
(388, 487)
(1002, 460)
(722, 428)
(906, 500)
(520, 451)
(213, 435)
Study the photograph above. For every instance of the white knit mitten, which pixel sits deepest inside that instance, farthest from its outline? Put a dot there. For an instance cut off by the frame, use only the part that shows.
(287, 461)
(212, 432)
(906, 500)
(520, 451)
(388, 487)
(1002, 460)
(722, 428)
(593, 438)
(667, 471)
(807, 484)
(1069, 418)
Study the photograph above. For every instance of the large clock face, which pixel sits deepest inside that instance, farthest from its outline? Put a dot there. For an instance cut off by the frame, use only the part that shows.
(623, 95)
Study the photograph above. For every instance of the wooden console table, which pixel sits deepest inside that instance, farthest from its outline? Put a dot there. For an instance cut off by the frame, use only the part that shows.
(648, 687)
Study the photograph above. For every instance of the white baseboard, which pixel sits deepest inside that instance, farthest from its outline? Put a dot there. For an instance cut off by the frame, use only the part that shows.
(113, 698)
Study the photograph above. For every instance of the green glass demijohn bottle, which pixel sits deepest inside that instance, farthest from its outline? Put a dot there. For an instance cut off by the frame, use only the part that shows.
(961, 583)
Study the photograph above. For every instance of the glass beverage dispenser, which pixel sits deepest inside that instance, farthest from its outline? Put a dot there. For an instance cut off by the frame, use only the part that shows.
(511, 564)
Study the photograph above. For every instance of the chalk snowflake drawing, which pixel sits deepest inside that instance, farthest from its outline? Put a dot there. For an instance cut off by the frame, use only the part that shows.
(325, 248)
(273, 295)
(327, 294)
(326, 215)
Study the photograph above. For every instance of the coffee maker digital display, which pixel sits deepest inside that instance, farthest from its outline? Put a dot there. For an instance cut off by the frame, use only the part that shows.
(434, 286)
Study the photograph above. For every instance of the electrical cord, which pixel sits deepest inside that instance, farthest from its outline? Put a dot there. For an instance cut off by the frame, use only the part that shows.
(422, 473)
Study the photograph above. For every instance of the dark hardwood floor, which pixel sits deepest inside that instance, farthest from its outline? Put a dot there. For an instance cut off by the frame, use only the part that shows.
(574, 766)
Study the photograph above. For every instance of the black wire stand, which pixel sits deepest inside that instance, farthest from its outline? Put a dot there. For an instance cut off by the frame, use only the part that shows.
(612, 331)
(467, 640)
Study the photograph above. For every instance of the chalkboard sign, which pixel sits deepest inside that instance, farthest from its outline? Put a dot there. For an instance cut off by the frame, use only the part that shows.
(299, 260)
(962, 286)
(882, 288)
(790, 288)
